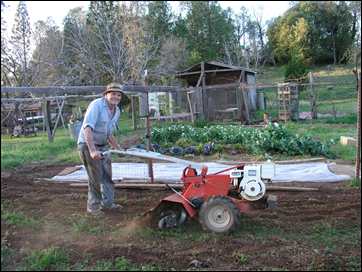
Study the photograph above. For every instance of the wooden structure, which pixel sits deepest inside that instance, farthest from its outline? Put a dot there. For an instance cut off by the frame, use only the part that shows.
(24, 116)
(220, 89)
(288, 102)
(54, 97)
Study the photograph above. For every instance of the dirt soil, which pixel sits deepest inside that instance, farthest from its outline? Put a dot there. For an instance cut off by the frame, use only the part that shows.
(317, 230)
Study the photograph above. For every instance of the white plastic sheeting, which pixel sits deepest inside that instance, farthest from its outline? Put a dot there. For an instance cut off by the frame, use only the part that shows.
(171, 172)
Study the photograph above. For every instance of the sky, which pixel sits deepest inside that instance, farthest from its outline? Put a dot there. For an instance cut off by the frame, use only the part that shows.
(40, 10)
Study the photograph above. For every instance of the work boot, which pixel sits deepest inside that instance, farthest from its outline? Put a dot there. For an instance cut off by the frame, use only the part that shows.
(95, 212)
(113, 207)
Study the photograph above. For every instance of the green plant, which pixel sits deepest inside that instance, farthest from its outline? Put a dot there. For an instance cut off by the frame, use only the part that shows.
(6, 255)
(47, 259)
(273, 139)
(122, 264)
(240, 257)
(19, 219)
(183, 142)
(83, 224)
(355, 183)
(295, 68)
(103, 265)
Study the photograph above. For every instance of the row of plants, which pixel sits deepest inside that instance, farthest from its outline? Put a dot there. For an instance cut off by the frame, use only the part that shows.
(180, 139)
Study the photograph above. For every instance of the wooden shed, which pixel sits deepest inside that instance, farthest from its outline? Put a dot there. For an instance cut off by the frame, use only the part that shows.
(220, 90)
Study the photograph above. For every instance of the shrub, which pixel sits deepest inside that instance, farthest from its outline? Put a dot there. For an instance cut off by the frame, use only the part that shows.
(295, 68)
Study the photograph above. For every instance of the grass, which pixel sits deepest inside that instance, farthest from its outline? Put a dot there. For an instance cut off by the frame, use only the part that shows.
(329, 236)
(187, 232)
(17, 218)
(122, 264)
(355, 183)
(58, 259)
(339, 95)
(19, 151)
(47, 259)
(7, 255)
(84, 224)
(326, 132)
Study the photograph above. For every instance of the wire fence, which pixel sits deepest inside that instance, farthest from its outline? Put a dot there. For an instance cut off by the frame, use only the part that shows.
(317, 97)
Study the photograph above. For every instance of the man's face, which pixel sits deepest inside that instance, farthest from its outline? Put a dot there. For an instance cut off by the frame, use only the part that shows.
(113, 98)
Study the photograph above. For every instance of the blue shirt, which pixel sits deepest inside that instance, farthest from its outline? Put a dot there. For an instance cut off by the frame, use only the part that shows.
(99, 117)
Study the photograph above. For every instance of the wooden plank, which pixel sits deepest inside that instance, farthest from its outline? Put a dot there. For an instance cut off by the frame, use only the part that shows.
(205, 110)
(58, 117)
(128, 185)
(217, 87)
(244, 98)
(209, 71)
(188, 94)
(69, 170)
(290, 188)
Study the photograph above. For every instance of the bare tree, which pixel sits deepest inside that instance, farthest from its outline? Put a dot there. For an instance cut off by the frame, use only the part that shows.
(46, 58)
(141, 45)
(234, 49)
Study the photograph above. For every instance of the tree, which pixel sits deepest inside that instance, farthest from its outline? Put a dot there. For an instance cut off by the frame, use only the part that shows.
(141, 45)
(46, 58)
(105, 30)
(320, 31)
(158, 19)
(4, 50)
(208, 28)
(235, 47)
(20, 41)
(18, 54)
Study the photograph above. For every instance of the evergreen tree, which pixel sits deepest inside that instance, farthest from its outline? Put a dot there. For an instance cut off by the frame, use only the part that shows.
(159, 19)
(20, 44)
(208, 28)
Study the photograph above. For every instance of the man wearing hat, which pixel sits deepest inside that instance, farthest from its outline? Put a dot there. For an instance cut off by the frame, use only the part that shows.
(99, 122)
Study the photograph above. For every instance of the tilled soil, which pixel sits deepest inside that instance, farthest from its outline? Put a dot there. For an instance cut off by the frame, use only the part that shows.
(318, 230)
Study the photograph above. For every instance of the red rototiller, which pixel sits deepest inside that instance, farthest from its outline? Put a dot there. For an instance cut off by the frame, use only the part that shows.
(216, 199)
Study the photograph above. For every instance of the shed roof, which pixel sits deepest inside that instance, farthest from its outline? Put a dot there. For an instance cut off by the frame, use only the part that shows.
(214, 65)
(215, 73)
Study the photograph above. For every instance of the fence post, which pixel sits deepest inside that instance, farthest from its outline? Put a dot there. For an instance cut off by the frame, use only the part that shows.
(358, 152)
(133, 108)
(47, 119)
(313, 104)
(148, 132)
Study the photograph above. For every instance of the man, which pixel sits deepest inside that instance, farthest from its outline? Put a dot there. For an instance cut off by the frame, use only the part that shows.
(99, 122)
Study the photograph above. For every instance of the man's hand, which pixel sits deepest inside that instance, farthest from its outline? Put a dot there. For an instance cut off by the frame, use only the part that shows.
(96, 155)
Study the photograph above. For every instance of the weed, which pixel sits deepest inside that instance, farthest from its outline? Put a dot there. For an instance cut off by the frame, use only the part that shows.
(188, 232)
(6, 255)
(103, 265)
(330, 236)
(47, 259)
(355, 183)
(84, 224)
(19, 219)
(240, 257)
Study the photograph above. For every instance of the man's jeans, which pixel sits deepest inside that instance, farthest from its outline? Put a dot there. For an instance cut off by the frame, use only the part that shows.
(100, 185)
